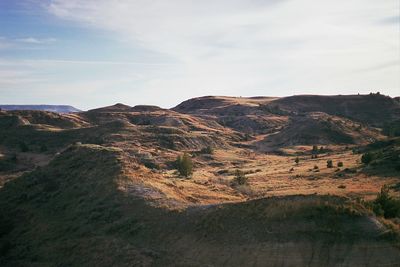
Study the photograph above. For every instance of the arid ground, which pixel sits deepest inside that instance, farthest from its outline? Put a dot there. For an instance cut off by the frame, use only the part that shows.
(101, 187)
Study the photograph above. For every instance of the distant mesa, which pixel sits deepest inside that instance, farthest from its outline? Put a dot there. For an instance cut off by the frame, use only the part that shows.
(52, 108)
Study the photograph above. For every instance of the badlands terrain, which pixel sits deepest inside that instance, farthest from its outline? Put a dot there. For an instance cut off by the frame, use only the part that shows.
(320, 183)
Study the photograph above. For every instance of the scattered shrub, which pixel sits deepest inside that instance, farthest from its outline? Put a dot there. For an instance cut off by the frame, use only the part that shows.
(151, 164)
(316, 167)
(385, 205)
(207, 150)
(366, 158)
(184, 165)
(240, 178)
(297, 160)
(340, 164)
(342, 186)
(329, 163)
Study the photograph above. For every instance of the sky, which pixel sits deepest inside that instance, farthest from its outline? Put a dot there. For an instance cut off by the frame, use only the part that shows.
(96, 53)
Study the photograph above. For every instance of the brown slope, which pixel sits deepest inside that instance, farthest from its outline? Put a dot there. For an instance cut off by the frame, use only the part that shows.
(373, 109)
(320, 128)
(45, 118)
(80, 211)
(164, 127)
(244, 114)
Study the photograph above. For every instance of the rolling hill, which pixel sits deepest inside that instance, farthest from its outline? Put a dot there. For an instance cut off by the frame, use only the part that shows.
(101, 187)
(79, 210)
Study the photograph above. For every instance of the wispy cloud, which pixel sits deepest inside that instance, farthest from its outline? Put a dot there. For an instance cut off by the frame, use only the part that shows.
(234, 45)
(32, 40)
(224, 47)
(25, 42)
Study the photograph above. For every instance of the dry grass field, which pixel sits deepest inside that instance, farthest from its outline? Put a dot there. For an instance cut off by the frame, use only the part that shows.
(270, 175)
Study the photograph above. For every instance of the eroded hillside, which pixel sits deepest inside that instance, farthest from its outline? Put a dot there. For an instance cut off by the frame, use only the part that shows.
(104, 183)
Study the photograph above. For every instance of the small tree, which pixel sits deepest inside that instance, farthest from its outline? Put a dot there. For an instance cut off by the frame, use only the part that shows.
(240, 177)
(340, 164)
(184, 165)
(207, 150)
(367, 158)
(329, 163)
(385, 205)
(297, 160)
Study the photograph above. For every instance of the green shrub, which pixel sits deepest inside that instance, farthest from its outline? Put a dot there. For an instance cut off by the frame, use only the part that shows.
(340, 164)
(329, 163)
(150, 164)
(184, 165)
(207, 150)
(297, 160)
(385, 205)
(240, 178)
(366, 158)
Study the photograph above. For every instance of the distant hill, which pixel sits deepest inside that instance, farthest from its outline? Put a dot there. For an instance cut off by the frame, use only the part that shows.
(53, 108)
(372, 109)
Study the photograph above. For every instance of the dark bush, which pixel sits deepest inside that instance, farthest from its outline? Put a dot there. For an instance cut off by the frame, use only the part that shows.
(366, 158)
(340, 164)
(329, 163)
(386, 205)
(240, 178)
(184, 165)
(207, 150)
(151, 164)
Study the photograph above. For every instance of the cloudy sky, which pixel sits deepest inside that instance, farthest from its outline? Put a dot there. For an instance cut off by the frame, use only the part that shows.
(99, 52)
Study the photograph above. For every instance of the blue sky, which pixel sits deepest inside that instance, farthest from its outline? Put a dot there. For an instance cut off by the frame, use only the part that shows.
(96, 53)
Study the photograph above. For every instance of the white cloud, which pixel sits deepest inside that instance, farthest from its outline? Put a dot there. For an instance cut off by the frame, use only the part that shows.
(32, 40)
(220, 47)
(237, 46)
